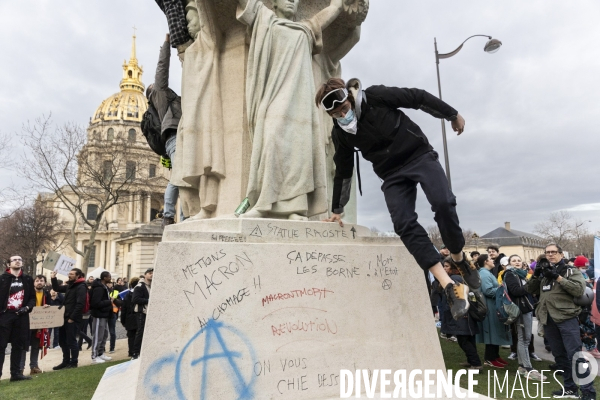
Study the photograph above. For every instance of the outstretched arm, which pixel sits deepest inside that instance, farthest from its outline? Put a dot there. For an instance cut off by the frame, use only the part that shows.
(326, 16)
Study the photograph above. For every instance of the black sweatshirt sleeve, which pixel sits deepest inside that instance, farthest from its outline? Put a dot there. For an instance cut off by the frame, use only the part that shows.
(417, 99)
(513, 285)
(57, 288)
(344, 168)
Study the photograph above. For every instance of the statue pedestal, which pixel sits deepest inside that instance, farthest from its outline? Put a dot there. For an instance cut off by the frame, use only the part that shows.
(258, 308)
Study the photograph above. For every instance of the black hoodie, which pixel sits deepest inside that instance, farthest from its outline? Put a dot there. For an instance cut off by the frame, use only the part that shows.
(100, 304)
(7, 279)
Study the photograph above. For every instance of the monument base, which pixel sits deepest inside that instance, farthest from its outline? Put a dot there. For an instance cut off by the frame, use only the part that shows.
(264, 309)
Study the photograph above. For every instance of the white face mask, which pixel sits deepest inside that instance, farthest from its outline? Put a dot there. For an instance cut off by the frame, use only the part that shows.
(352, 126)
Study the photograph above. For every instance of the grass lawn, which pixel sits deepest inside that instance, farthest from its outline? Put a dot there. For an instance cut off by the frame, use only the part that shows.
(77, 384)
(453, 356)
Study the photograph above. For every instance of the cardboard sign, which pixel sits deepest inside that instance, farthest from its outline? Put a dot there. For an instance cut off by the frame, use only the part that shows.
(49, 317)
(64, 265)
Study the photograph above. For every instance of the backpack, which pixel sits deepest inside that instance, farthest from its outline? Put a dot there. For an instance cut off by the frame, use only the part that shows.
(477, 306)
(151, 128)
(506, 310)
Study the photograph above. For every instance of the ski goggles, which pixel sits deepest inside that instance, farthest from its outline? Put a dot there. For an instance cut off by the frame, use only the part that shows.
(334, 99)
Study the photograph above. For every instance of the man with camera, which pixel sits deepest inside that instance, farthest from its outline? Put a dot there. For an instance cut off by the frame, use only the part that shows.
(556, 285)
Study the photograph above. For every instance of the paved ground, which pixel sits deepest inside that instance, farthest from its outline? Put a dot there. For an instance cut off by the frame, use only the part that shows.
(54, 356)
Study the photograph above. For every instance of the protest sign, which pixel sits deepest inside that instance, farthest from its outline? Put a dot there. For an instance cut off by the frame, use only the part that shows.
(46, 317)
(64, 265)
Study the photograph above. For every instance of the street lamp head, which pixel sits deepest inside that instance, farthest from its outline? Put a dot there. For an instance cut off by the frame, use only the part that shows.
(492, 46)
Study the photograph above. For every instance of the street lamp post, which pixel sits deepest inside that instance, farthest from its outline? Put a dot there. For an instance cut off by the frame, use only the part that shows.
(492, 46)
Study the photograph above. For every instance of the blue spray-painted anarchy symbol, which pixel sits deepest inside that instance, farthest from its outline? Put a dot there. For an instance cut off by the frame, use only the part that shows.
(216, 351)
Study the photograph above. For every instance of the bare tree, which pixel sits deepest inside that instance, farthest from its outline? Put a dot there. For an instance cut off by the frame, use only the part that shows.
(80, 172)
(29, 231)
(558, 228)
(11, 199)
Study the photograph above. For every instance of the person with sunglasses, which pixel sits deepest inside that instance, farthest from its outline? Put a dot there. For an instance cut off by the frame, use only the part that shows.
(556, 285)
(17, 299)
(371, 121)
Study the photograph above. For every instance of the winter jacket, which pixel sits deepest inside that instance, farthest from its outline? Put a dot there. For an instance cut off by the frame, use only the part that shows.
(517, 292)
(128, 319)
(75, 294)
(491, 330)
(6, 280)
(556, 298)
(140, 296)
(385, 135)
(60, 299)
(162, 95)
(465, 325)
(100, 303)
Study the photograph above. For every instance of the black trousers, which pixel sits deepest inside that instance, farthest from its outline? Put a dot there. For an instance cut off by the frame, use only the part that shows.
(565, 340)
(83, 325)
(67, 338)
(400, 191)
(467, 344)
(139, 334)
(131, 341)
(492, 352)
(14, 329)
(112, 326)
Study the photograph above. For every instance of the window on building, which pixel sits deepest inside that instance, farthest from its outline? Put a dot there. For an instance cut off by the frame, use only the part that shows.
(92, 259)
(128, 271)
(130, 170)
(129, 247)
(107, 170)
(111, 134)
(152, 171)
(131, 135)
(92, 212)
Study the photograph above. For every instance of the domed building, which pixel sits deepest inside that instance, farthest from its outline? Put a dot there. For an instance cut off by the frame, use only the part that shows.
(126, 241)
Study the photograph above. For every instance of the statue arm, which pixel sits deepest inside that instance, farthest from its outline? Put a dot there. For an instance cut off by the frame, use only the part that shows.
(243, 4)
(326, 16)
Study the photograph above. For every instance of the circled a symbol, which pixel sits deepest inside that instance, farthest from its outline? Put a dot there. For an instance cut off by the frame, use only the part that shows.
(387, 284)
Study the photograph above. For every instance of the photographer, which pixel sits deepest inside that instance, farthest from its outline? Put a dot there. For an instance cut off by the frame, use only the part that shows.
(556, 284)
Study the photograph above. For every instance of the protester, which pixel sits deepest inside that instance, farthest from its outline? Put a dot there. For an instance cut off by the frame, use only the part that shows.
(112, 322)
(75, 300)
(39, 339)
(491, 331)
(493, 251)
(17, 299)
(586, 326)
(474, 255)
(128, 318)
(556, 285)
(168, 106)
(402, 157)
(140, 298)
(464, 329)
(56, 299)
(119, 285)
(101, 307)
(515, 279)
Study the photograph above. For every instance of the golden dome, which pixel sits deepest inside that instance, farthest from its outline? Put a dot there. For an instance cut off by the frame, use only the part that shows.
(130, 103)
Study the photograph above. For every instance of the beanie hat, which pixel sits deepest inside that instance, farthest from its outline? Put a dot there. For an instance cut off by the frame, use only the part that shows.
(580, 261)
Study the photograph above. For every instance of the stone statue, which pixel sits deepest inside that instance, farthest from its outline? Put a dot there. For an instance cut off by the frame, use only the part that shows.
(200, 158)
(248, 105)
(288, 164)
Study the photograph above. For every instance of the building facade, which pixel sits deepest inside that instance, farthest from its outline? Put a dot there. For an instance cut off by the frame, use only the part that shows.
(526, 245)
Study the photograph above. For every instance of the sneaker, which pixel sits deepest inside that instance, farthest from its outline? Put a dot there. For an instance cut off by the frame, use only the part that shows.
(457, 299)
(97, 360)
(104, 357)
(60, 366)
(452, 339)
(71, 365)
(476, 367)
(20, 377)
(588, 396)
(465, 364)
(505, 346)
(438, 324)
(534, 357)
(594, 353)
(494, 364)
(535, 375)
(522, 371)
(468, 272)
(110, 352)
(135, 357)
(565, 394)
(443, 336)
(513, 356)
(35, 370)
(502, 361)
(167, 221)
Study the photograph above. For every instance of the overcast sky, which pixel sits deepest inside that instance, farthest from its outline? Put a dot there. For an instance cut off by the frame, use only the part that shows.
(531, 143)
